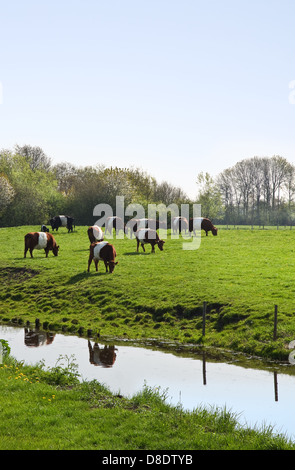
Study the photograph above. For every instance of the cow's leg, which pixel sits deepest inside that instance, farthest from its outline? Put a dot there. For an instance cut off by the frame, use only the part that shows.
(89, 263)
(31, 252)
(106, 265)
(96, 264)
(46, 251)
(25, 253)
(137, 244)
(143, 247)
(153, 247)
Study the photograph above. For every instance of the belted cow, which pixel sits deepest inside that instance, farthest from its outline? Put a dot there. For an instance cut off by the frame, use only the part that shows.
(206, 225)
(95, 234)
(148, 235)
(62, 221)
(114, 222)
(39, 241)
(135, 224)
(99, 356)
(179, 223)
(103, 251)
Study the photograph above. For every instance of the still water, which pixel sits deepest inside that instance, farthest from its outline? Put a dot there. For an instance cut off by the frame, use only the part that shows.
(260, 397)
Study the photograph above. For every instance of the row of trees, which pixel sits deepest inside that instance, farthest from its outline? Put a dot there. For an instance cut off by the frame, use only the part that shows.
(32, 189)
(257, 190)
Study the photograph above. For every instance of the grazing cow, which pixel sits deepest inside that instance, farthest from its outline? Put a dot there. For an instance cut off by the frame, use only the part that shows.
(95, 234)
(148, 235)
(104, 357)
(135, 224)
(131, 227)
(44, 228)
(62, 221)
(103, 251)
(39, 241)
(206, 225)
(35, 338)
(179, 223)
(114, 222)
(145, 223)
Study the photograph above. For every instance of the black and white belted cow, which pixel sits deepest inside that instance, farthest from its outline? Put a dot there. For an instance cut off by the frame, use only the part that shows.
(62, 221)
(148, 235)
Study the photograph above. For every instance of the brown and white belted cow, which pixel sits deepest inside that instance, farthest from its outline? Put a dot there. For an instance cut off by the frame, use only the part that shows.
(206, 225)
(40, 241)
(114, 223)
(148, 235)
(103, 251)
(179, 224)
(95, 234)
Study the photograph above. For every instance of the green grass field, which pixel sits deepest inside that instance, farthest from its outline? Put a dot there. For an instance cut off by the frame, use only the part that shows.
(241, 274)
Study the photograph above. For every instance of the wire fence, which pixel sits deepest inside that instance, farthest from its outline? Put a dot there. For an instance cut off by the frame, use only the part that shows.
(255, 227)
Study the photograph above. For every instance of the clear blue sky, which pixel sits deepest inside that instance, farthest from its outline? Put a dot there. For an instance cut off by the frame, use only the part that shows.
(172, 87)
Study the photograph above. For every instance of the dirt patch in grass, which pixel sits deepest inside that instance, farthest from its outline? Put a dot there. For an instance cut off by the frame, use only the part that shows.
(11, 275)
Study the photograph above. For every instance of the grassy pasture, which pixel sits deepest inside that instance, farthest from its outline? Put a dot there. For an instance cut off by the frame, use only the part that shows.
(241, 274)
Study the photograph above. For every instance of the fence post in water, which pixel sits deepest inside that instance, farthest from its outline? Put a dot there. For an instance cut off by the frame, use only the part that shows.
(204, 316)
(275, 323)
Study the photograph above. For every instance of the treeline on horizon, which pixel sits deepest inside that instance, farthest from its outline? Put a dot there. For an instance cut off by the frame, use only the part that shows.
(258, 190)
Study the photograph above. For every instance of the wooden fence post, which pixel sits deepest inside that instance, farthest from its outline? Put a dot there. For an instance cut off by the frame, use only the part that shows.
(204, 317)
(275, 323)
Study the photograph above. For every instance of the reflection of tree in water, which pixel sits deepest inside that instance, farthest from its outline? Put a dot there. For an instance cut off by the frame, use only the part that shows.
(38, 337)
(104, 357)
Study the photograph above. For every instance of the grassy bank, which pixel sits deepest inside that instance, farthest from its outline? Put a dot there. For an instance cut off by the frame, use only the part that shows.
(241, 274)
(51, 410)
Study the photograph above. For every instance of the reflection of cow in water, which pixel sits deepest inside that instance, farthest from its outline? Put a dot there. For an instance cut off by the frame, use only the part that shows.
(104, 357)
(37, 338)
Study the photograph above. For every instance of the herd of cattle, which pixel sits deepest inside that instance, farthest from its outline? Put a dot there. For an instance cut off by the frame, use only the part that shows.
(145, 231)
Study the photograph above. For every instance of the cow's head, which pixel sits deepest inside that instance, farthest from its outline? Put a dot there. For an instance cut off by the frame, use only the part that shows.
(112, 265)
(214, 231)
(55, 249)
(161, 244)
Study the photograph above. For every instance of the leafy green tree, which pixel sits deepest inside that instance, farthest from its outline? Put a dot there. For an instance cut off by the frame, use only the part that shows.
(209, 196)
(7, 193)
(35, 193)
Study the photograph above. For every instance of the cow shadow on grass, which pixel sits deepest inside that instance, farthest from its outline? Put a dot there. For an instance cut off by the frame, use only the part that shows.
(82, 276)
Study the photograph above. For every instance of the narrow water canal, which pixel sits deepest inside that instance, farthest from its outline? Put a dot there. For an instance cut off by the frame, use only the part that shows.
(259, 396)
